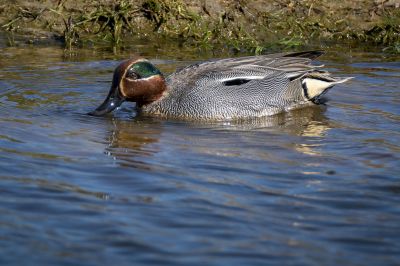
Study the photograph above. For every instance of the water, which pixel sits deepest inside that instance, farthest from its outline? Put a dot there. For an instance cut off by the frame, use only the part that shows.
(317, 186)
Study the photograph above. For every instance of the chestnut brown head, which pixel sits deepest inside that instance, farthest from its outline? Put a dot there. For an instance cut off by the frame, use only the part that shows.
(135, 80)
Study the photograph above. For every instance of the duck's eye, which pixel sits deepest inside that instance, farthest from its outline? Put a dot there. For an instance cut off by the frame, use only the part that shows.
(132, 75)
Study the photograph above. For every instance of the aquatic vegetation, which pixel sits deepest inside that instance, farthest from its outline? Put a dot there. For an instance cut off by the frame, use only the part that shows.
(112, 19)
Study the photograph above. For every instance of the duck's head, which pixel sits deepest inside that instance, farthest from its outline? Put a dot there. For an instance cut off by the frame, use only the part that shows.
(135, 80)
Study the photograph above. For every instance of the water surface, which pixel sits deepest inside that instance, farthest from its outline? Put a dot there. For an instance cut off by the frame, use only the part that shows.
(317, 186)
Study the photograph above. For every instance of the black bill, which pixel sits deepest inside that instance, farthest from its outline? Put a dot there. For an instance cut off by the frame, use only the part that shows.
(113, 100)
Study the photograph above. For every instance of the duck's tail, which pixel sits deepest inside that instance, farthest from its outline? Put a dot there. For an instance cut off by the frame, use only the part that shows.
(317, 84)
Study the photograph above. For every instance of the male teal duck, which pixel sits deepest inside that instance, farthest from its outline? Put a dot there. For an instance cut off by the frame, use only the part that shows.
(224, 89)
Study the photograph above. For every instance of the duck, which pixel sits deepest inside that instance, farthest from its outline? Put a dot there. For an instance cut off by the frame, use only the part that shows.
(221, 89)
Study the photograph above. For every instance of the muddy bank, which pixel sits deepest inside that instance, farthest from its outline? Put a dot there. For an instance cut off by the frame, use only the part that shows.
(253, 25)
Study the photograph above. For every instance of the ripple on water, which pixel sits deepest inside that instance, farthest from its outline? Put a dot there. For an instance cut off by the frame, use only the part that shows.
(309, 187)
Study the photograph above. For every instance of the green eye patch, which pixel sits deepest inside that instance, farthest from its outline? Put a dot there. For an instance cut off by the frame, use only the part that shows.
(145, 69)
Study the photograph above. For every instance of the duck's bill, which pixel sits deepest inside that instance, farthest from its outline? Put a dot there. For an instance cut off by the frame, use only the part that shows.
(113, 100)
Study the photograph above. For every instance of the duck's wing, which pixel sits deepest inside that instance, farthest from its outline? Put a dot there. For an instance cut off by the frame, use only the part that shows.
(271, 60)
(251, 67)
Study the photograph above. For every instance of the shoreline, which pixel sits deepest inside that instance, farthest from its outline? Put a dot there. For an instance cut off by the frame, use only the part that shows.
(253, 26)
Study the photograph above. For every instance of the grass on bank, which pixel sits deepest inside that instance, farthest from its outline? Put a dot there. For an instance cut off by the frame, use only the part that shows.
(292, 25)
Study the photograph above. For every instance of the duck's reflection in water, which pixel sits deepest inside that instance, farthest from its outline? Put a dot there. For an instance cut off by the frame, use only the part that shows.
(308, 121)
(134, 142)
(309, 124)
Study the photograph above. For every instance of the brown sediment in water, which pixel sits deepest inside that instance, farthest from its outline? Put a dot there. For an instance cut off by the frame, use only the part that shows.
(253, 25)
